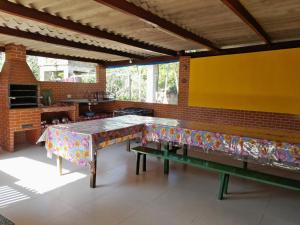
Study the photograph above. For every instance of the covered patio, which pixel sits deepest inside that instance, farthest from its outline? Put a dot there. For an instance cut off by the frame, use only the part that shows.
(149, 112)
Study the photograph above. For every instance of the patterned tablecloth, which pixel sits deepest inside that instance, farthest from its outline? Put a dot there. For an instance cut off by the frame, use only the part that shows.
(76, 142)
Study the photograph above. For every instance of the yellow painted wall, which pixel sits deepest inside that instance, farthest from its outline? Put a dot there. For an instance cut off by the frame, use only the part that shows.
(262, 81)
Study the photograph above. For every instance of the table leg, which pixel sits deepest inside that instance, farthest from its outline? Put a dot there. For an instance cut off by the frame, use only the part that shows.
(128, 146)
(185, 154)
(93, 170)
(245, 165)
(144, 162)
(185, 150)
(59, 165)
(138, 159)
(166, 161)
(159, 145)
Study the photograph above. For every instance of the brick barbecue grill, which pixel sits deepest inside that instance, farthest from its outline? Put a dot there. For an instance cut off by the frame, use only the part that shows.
(19, 90)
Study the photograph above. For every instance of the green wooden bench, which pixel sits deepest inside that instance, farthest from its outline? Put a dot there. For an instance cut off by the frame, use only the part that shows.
(225, 171)
(144, 151)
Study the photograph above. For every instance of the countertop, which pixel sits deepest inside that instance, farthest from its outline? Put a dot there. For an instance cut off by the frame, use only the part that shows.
(86, 101)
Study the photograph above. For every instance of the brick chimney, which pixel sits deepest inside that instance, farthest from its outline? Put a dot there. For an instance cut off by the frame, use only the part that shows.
(15, 71)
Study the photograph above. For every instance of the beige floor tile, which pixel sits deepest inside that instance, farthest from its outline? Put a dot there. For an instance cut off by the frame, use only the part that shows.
(275, 221)
(151, 215)
(284, 205)
(36, 211)
(72, 217)
(219, 215)
(187, 195)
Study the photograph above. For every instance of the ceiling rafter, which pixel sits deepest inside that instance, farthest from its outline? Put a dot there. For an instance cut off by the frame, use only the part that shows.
(148, 61)
(244, 15)
(67, 57)
(64, 42)
(60, 56)
(132, 9)
(249, 49)
(33, 14)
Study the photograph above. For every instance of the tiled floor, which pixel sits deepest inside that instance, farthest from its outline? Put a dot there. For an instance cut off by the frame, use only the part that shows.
(31, 193)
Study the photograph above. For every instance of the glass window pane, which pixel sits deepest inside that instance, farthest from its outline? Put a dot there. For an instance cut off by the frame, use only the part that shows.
(146, 83)
(49, 69)
(2, 59)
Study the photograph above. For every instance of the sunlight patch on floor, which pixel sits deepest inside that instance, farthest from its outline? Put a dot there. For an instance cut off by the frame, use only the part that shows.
(37, 176)
(9, 195)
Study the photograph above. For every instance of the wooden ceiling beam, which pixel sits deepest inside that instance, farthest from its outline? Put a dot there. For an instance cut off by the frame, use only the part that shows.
(244, 15)
(60, 56)
(131, 9)
(33, 14)
(64, 42)
(231, 51)
(148, 61)
(66, 57)
(248, 49)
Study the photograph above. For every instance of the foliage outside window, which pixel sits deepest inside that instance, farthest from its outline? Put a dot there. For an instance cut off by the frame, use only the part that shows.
(146, 83)
(2, 59)
(60, 70)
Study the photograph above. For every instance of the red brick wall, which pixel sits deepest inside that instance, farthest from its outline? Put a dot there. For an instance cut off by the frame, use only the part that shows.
(76, 90)
(16, 71)
(210, 115)
(15, 65)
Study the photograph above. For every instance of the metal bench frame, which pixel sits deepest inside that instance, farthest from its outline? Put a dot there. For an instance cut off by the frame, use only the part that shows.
(225, 171)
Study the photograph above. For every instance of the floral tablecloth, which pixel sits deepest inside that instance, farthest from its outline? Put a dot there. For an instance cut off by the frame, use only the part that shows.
(277, 153)
(76, 142)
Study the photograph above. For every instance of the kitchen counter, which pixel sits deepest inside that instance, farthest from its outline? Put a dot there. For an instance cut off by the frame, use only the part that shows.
(86, 101)
(58, 108)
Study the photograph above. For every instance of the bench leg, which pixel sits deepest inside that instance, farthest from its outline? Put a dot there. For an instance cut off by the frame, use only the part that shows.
(138, 158)
(144, 162)
(174, 147)
(166, 166)
(245, 165)
(222, 186)
(226, 183)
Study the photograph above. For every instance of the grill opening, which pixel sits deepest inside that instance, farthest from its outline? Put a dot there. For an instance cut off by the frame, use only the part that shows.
(23, 96)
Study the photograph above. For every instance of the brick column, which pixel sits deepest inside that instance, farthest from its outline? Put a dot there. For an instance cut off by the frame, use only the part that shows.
(184, 75)
(101, 77)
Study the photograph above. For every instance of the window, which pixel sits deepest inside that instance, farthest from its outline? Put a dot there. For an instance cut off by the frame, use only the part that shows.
(49, 69)
(2, 59)
(147, 83)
